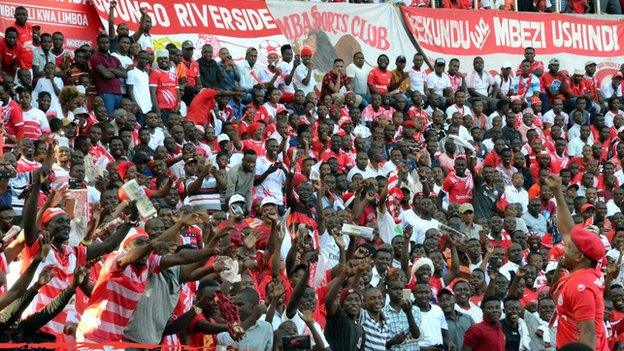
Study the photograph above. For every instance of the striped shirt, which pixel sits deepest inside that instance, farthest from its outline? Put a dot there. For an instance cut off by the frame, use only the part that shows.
(207, 197)
(64, 261)
(20, 182)
(114, 298)
(376, 334)
(35, 124)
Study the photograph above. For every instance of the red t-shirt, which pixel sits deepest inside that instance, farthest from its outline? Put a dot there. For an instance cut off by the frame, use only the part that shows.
(166, 84)
(13, 119)
(459, 189)
(199, 110)
(12, 57)
(580, 299)
(379, 79)
(192, 71)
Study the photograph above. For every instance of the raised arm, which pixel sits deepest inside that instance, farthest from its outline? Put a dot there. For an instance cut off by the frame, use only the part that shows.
(333, 291)
(565, 223)
(19, 288)
(111, 19)
(110, 244)
(293, 304)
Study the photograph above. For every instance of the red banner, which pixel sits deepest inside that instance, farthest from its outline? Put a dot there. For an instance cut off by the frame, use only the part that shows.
(248, 19)
(76, 19)
(505, 34)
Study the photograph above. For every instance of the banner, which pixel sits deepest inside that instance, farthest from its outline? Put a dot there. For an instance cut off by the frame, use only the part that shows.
(235, 25)
(338, 30)
(76, 19)
(499, 36)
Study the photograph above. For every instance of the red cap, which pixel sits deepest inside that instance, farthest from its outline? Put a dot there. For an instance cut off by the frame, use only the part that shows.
(306, 51)
(535, 100)
(122, 169)
(547, 241)
(134, 234)
(409, 123)
(586, 207)
(51, 213)
(346, 292)
(281, 109)
(588, 243)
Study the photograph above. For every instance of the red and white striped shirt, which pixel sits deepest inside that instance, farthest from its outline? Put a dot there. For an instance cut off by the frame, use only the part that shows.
(24, 165)
(35, 124)
(63, 261)
(114, 299)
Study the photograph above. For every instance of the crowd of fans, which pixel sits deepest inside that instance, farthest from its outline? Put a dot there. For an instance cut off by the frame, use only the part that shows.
(405, 209)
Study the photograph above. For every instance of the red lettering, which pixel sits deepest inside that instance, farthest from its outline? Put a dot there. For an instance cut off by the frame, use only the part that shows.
(383, 43)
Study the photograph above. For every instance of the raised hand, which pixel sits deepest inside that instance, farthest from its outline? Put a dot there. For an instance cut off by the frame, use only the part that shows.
(251, 240)
(45, 276)
(553, 182)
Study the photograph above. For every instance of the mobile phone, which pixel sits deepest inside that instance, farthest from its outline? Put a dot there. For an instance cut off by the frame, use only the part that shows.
(296, 343)
(74, 183)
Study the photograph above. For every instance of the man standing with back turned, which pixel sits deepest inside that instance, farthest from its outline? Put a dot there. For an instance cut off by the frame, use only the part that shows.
(579, 296)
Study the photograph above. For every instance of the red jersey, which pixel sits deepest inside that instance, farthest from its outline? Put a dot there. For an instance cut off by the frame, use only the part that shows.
(379, 79)
(192, 71)
(114, 298)
(166, 84)
(257, 146)
(13, 119)
(12, 57)
(579, 88)
(579, 298)
(459, 189)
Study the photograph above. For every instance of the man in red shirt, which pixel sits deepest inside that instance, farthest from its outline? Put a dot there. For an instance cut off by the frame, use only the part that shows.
(458, 184)
(335, 79)
(164, 87)
(194, 83)
(537, 67)
(12, 53)
(579, 296)
(487, 335)
(553, 82)
(12, 118)
(379, 77)
(24, 30)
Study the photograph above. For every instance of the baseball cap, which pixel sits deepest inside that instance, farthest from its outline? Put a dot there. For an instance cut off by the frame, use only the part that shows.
(187, 44)
(590, 62)
(440, 61)
(268, 201)
(236, 198)
(222, 137)
(579, 72)
(617, 75)
(401, 58)
(465, 208)
(588, 243)
(553, 61)
(586, 207)
(506, 64)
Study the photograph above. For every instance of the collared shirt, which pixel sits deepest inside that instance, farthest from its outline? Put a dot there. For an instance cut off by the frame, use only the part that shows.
(248, 75)
(376, 334)
(102, 84)
(40, 58)
(258, 338)
(331, 77)
(485, 337)
(457, 328)
(480, 83)
(396, 322)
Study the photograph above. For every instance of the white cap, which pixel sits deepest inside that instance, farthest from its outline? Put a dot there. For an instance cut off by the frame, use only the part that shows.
(579, 72)
(551, 266)
(268, 201)
(222, 137)
(505, 273)
(506, 64)
(236, 198)
(80, 111)
(81, 89)
(162, 53)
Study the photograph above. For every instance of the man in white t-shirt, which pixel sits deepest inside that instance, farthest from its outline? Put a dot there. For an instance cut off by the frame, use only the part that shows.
(270, 175)
(438, 81)
(358, 76)
(123, 54)
(137, 83)
(418, 76)
(286, 66)
(304, 77)
(433, 327)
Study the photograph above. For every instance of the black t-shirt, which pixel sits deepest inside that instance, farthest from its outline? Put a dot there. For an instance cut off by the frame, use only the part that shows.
(343, 333)
(512, 336)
